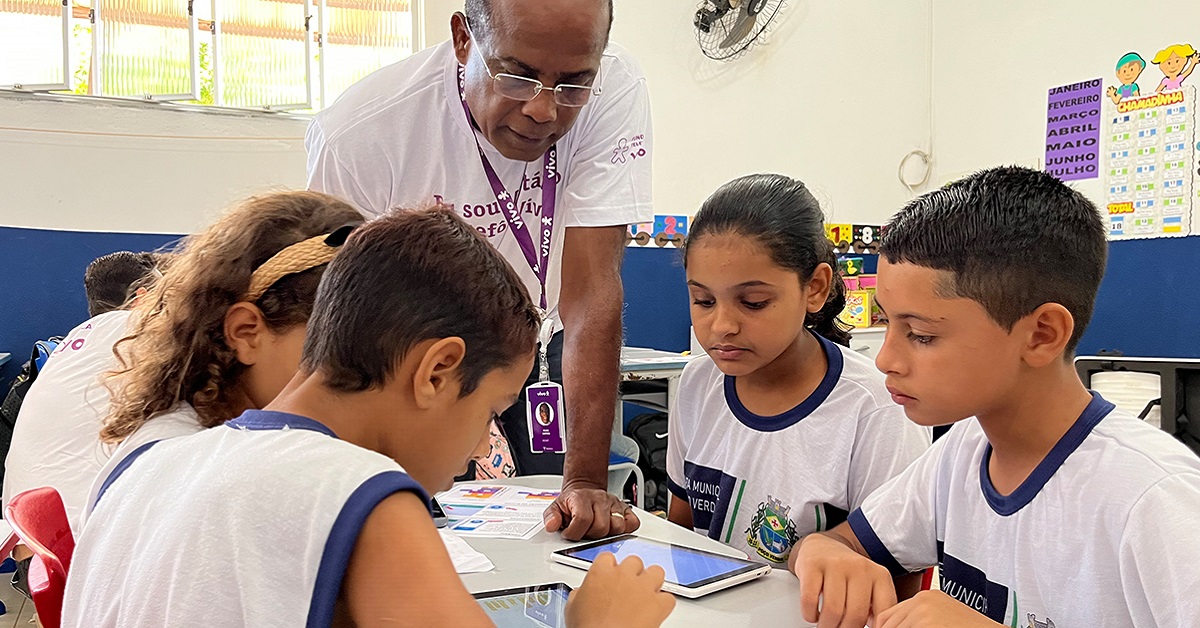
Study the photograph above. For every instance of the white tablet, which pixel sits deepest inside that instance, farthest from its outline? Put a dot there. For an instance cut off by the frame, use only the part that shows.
(690, 572)
(534, 606)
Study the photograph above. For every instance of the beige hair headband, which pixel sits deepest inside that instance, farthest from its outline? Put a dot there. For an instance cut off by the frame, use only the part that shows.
(296, 258)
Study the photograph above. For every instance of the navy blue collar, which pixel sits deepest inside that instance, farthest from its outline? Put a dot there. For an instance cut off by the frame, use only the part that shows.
(791, 417)
(1005, 505)
(271, 420)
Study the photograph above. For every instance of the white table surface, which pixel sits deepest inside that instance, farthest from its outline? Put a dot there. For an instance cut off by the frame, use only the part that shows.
(634, 359)
(773, 599)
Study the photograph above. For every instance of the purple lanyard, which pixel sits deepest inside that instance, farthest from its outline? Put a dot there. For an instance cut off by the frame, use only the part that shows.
(512, 213)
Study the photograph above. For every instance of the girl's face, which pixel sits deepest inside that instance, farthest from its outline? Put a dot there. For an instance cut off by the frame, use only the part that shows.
(746, 309)
(276, 360)
(1173, 65)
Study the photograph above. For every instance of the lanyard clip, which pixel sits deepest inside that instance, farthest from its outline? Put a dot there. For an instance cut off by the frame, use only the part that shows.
(544, 336)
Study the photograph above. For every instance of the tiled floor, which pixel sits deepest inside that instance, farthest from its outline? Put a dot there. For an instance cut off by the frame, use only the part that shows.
(20, 610)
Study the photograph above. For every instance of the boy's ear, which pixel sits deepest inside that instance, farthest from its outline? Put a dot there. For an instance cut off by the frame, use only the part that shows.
(439, 371)
(1047, 331)
(818, 287)
(245, 331)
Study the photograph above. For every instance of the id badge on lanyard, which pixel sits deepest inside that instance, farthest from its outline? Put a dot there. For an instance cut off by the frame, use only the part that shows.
(544, 406)
(544, 399)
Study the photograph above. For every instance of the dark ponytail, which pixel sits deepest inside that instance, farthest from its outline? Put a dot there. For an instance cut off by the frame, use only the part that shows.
(784, 216)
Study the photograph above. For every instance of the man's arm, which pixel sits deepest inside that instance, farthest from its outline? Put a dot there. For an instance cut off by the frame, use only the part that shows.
(590, 303)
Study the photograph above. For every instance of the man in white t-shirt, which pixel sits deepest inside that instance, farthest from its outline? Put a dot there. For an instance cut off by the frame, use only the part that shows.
(536, 130)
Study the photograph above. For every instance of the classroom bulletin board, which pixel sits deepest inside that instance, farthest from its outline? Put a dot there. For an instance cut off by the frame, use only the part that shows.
(1137, 134)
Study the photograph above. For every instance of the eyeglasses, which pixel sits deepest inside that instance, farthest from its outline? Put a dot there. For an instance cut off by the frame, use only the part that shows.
(524, 88)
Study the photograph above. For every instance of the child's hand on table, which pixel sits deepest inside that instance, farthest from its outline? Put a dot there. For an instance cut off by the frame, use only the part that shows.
(840, 588)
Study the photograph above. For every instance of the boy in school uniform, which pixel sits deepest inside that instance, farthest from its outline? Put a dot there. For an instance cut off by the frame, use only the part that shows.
(1044, 505)
(314, 510)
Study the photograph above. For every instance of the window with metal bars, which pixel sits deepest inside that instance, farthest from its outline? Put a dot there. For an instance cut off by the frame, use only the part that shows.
(278, 54)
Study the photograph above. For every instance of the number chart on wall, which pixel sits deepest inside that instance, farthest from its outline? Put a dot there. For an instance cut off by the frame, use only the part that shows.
(1148, 131)
(847, 238)
(665, 231)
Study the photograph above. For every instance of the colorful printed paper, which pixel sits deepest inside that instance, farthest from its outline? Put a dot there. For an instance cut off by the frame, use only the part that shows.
(1150, 165)
(491, 511)
(1073, 131)
(1149, 145)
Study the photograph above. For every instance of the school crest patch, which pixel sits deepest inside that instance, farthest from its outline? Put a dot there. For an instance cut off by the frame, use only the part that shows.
(772, 533)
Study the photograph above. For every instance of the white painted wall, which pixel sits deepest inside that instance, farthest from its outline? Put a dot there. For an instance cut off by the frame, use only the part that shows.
(837, 97)
(96, 166)
(995, 61)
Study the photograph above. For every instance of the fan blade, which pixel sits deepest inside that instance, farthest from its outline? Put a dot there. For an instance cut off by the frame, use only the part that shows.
(741, 29)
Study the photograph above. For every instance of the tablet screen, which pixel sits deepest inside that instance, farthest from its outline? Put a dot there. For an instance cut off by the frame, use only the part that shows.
(539, 606)
(683, 565)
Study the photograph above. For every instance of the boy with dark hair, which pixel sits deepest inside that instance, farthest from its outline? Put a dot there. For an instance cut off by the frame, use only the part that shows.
(421, 333)
(110, 280)
(1049, 507)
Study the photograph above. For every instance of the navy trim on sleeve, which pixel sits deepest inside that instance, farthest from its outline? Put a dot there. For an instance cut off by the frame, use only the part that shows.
(272, 420)
(343, 536)
(877, 551)
(833, 373)
(677, 490)
(121, 467)
(1005, 505)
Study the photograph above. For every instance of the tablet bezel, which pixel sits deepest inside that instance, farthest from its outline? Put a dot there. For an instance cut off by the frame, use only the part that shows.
(529, 588)
(747, 566)
(523, 590)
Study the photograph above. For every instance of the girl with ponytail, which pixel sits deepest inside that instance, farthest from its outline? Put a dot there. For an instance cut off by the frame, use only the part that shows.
(780, 430)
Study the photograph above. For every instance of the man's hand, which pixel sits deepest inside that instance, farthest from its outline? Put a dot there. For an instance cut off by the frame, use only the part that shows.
(839, 588)
(589, 512)
(932, 609)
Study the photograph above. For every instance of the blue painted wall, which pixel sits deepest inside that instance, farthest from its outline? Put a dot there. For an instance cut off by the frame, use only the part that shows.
(1149, 302)
(1148, 305)
(41, 283)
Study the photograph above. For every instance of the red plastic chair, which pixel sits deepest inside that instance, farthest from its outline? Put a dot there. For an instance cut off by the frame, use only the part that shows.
(927, 579)
(39, 518)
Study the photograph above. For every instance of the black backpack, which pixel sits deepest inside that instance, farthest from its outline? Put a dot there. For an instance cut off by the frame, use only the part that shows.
(650, 432)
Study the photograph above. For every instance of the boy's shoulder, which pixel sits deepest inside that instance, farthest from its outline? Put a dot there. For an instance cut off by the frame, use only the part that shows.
(1132, 449)
(1112, 463)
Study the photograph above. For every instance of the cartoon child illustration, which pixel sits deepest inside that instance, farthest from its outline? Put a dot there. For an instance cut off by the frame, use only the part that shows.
(1172, 60)
(543, 411)
(1129, 68)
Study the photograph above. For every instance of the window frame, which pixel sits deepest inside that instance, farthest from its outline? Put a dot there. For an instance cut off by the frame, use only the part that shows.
(68, 75)
(314, 33)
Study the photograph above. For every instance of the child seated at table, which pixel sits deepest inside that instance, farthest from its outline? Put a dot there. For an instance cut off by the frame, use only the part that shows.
(1044, 505)
(780, 430)
(315, 508)
(222, 330)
